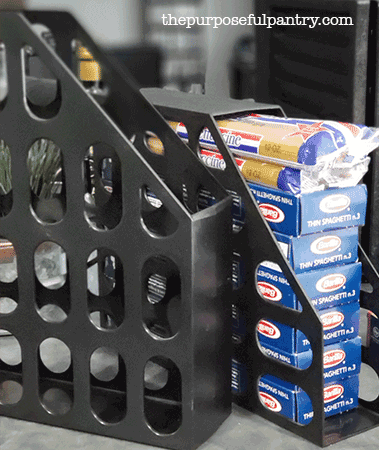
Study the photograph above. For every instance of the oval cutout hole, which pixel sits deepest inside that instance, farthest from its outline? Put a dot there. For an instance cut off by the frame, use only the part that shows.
(153, 143)
(42, 90)
(55, 355)
(108, 386)
(156, 217)
(57, 401)
(50, 265)
(10, 392)
(47, 183)
(6, 196)
(161, 302)
(52, 313)
(368, 383)
(273, 391)
(7, 305)
(163, 395)
(10, 350)
(105, 295)
(103, 192)
(8, 262)
(104, 364)
(3, 76)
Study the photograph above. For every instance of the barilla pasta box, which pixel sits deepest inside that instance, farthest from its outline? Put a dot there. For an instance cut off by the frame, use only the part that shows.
(319, 250)
(339, 323)
(326, 288)
(291, 401)
(301, 214)
(341, 360)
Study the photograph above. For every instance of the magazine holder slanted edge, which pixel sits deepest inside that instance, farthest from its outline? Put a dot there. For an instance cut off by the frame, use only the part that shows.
(200, 350)
(256, 243)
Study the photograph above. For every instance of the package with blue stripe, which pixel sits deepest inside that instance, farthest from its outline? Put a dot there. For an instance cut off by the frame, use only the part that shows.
(297, 215)
(296, 155)
(319, 250)
(289, 400)
(325, 288)
(341, 360)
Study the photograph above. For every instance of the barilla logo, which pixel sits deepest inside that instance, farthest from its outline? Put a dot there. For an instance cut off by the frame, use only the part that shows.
(270, 291)
(270, 402)
(268, 329)
(331, 283)
(334, 203)
(333, 358)
(272, 213)
(333, 392)
(332, 320)
(326, 244)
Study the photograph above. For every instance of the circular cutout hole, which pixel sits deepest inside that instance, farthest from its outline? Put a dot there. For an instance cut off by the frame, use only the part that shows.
(10, 350)
(50, 265)
(368, 383)
(52, 314)
(10, 392)
(56, 401)
(55, 355)
(104, 364)
(8, 262)
(7, 305)
(156, 288)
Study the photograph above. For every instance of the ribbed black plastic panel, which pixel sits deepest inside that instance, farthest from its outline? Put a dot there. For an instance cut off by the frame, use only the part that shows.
(314, 70)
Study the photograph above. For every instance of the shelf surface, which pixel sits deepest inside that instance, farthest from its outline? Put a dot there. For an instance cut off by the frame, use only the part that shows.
(242, 430)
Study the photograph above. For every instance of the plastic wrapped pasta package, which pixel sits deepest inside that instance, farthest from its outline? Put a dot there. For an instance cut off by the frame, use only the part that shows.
(294, 155)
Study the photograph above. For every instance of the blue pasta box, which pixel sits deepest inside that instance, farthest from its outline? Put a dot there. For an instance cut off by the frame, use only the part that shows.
(291, 401)
(326, 288)
(341, 360)
(339, 323)
(319, 250)
(301, 214)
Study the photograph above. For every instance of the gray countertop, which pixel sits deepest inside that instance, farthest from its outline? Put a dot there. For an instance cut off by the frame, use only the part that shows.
(242, 430)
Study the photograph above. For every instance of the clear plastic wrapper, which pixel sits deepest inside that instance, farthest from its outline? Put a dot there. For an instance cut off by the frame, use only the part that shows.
(326, 154)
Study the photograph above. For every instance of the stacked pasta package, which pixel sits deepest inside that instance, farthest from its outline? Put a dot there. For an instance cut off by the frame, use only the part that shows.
(304, 175)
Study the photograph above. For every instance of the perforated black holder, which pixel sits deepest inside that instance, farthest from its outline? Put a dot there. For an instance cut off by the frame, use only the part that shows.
(256, 243)
(194, 248)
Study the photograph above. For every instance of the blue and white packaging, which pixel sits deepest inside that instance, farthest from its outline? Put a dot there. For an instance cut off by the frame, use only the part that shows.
(318, 250)
(341, 360)
(291, 401)
(340, 323)
(297, 215)
(300, 214)
(326, 288)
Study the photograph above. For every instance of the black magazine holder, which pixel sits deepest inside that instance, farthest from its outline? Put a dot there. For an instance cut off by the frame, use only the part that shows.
(256, 243)
(194, 249)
